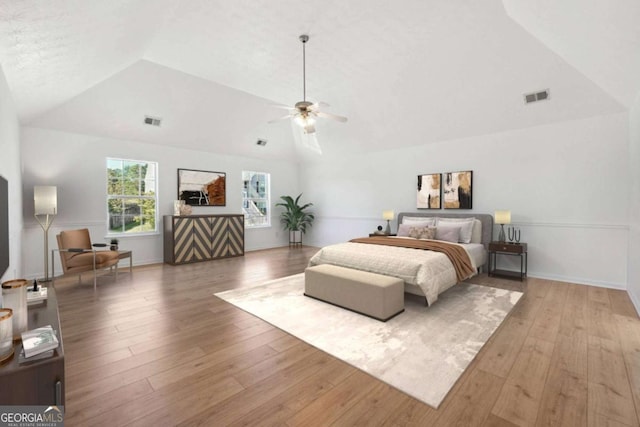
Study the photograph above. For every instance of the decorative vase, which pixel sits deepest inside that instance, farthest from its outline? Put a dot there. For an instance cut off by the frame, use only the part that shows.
(6, 333)
(14, 296)
(177, 207)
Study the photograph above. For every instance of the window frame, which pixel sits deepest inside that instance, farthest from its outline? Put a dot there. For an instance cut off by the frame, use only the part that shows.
(154, 197)
(266, 200)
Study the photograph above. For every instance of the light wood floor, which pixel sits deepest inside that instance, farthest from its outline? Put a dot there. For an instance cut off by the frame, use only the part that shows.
(158, 348)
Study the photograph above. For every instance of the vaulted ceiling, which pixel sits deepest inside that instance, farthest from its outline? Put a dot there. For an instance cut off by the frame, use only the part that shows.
(405, 73)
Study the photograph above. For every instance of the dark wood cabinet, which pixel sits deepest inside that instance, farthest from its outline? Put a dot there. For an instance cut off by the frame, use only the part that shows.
(512, 249)
(196, 238)
(39, 382)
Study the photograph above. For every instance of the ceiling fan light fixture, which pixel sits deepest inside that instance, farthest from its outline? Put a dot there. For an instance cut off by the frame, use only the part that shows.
(304, 120)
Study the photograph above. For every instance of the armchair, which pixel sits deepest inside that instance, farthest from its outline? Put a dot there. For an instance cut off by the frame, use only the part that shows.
(77, 255)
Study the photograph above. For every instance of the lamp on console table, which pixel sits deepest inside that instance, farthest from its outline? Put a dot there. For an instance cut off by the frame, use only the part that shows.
(387, 215)
(502, 218)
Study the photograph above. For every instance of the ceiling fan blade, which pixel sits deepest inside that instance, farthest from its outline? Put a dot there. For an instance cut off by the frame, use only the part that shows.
(285, 107)
(331, 116)
(288, 116)
(317, 105)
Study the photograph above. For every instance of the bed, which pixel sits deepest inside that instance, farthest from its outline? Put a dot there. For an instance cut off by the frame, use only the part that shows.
(426, 273)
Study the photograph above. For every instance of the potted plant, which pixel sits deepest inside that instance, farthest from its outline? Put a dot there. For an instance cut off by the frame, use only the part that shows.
(295, 218)
(114, 244)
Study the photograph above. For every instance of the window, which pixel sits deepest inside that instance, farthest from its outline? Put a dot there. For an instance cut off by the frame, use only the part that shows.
(256, 199)
(131, 196)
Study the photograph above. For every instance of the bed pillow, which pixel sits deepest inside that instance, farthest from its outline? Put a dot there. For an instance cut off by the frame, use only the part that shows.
(419, 221)
(422, 232)
(476, 234)
(404, 229)
(466, 225)
(410, 230)
(448, 233)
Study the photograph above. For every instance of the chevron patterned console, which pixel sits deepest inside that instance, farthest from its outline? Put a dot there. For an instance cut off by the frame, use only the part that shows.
(197, 238)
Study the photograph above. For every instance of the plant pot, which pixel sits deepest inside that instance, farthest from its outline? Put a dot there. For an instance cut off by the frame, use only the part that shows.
(295, 238)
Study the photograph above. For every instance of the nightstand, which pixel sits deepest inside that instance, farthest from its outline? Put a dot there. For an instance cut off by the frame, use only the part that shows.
(505, 248)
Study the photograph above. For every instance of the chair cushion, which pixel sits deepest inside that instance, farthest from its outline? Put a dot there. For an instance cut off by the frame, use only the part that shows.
(103, 259)
(75, 239)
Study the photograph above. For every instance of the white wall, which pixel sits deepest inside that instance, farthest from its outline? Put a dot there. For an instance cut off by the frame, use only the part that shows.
(634, 204)
(566, 185)
(10, 169)
(76, 164)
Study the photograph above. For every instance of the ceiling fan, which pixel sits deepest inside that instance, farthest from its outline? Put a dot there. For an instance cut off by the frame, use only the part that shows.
(304, 112)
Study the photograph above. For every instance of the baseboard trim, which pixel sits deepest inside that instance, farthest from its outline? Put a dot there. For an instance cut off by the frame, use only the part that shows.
(579, 281)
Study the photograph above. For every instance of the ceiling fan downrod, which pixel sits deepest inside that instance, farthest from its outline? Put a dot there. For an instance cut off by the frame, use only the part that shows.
(304, 39)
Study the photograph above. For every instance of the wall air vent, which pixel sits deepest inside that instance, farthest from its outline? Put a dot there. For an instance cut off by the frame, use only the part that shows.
(536, 96)
(261, 142)
(152, 121)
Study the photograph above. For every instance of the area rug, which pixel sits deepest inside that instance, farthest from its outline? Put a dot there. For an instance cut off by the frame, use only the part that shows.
(421, 352)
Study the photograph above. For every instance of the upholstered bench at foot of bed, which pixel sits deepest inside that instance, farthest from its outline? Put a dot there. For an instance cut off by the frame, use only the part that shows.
(374, 295)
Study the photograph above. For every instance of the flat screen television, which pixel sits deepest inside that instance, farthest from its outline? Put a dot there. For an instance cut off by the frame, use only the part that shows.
(4, 225)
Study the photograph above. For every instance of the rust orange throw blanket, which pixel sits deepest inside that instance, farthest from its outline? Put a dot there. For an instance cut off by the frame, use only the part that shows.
(458, 256)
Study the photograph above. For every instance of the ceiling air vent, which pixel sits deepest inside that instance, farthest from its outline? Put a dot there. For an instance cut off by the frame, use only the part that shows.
(153, 121)
(536, 96)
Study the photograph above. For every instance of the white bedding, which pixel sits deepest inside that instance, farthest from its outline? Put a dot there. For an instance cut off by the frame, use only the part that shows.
(477, 253)
(431, 271)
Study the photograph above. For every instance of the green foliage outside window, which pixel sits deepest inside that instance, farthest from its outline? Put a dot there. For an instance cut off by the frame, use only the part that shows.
(131, 196)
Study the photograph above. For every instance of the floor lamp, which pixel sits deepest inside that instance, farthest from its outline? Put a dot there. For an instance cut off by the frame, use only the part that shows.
(45, 201)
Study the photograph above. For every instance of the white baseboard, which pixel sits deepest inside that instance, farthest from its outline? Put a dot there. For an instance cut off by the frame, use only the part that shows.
(579, 281)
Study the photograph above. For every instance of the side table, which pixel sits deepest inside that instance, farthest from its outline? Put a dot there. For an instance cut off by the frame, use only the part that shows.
(513, 249)
(122, 254)
(41, 381)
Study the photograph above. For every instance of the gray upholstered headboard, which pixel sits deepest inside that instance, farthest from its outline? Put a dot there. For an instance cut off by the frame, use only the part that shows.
(485, 219)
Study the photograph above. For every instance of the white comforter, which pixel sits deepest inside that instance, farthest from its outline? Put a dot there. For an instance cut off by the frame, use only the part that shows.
(431, 271)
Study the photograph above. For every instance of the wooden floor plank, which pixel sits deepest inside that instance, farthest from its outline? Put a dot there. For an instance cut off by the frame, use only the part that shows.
(564, 401)
(283, 406)
(340, 399)
(258, 394)
(629, 328)
(472, 404)
(522, 392)
(574, 314)
(504, 347)
(547, 322)
(609, 387)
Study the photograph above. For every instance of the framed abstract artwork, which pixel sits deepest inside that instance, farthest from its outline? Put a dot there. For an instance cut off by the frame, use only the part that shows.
(202, 188)
(457, 189)
(428, 191)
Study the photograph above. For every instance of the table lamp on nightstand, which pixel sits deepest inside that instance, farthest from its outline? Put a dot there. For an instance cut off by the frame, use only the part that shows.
(388, 216)
(502, 218)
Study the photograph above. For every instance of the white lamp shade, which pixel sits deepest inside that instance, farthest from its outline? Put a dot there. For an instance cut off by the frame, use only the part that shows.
(45, 199)
(387, 215)
(503, 217)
